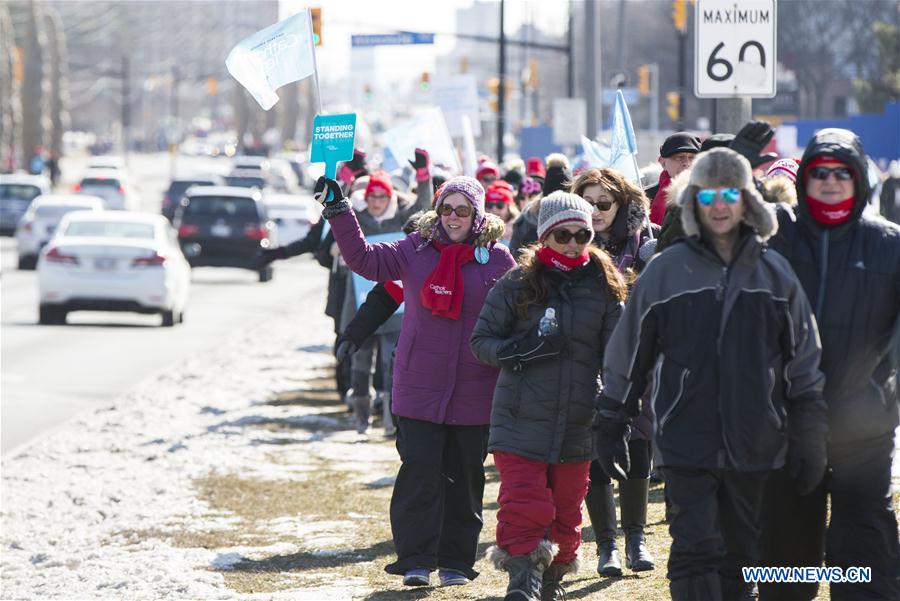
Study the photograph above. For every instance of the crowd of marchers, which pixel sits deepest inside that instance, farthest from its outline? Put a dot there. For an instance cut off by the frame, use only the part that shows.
(733, 330)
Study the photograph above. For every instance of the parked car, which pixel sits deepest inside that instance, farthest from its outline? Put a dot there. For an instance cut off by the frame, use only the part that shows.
(112, 186)
(293, 215)
(106, 162)
(113, 261)
(17, 190)
(246, 178)
(172, 197)
(249, 161)
(40, 221)
(225, 226)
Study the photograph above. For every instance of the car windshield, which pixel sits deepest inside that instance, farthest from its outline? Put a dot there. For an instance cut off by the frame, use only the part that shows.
(222, 206)
(100, 182)
(19, 191)
(244, 182)
(110, 229)
(177, 189)
(57, 211)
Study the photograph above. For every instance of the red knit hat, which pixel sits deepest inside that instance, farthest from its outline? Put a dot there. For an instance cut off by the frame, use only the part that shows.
(485, 168)
(499, 191)
(380, 180)
(535, 166)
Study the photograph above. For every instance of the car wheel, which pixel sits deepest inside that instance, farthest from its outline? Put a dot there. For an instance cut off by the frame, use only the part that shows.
(50, 315)
(265, 273)
(168, 318)
(27, 263)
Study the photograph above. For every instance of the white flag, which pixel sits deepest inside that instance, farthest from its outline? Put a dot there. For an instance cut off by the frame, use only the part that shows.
(277, 55)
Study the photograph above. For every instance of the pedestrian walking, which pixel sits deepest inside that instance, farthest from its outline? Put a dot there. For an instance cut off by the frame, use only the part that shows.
(499, 200)
(675, 155)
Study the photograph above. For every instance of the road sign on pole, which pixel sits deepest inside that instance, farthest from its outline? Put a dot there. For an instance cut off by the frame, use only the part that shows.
(735, 48)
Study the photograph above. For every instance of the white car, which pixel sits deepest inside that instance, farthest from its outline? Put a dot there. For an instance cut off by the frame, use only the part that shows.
(17, 190)
(106, 162)
(39, 223)
(111, 185)
(113, 261)
(293, 215)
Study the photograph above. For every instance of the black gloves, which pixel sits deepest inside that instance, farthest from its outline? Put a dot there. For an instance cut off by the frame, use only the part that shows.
(807, 450)
(421, 161)
(327, 191)
(750, 141)
(532, 348)
(611, 432)
(267, 255)
(344, 349)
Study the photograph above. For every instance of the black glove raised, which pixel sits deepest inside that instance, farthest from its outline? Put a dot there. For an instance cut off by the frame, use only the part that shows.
(327, 191)
(421, 161)
(267, 255)
(807, 452)
(611, 432)
(344, 349)
(531, 349)
(750, 141)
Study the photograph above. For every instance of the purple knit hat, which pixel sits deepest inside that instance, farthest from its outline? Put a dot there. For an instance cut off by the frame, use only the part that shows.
(472, 190)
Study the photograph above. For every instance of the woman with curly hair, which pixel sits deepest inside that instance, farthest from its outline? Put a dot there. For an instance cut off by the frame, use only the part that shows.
(544, 400)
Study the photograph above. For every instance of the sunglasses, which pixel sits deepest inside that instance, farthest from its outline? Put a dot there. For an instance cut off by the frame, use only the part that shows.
(840, 173)
(602, 205)
(707, 196)
(494, 205)
(582, 236)
(461, 211)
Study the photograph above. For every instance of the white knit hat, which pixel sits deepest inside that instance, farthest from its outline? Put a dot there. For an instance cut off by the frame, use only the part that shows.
(561, 208)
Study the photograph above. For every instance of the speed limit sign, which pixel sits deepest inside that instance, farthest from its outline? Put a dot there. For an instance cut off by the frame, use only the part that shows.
(734, 48)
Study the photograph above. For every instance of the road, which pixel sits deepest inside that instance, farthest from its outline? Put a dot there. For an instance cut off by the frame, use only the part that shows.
(50, 373)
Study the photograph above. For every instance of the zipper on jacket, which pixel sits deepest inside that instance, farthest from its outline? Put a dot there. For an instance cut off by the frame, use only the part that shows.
(668, 414)
(823, 276)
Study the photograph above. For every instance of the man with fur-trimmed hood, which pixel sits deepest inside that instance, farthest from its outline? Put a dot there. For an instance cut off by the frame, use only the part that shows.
(724, 326)
(849, 265)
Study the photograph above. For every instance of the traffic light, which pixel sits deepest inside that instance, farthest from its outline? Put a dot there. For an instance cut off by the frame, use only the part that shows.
(316, 14)
(533, 80)
(493, 86)
(18, 65)
(673, 105)
(212, 86)
(425, 81)
(679, 15)
(644, 80)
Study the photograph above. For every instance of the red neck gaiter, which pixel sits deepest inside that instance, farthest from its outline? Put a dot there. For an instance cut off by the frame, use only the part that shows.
(658, 206)
(829, 214)
(555, 260)
(443, 291)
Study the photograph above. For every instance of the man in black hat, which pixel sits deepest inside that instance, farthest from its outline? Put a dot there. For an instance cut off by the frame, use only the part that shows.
(675, 155)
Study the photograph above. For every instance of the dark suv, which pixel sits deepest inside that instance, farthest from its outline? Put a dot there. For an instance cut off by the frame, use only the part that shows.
(172, 197)
(224, 226)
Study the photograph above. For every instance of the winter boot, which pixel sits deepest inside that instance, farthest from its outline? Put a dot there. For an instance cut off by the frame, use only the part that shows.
(387, 417)
(602, 510)
(738, 590)
(703, 587)
(361, 404)
(633, 496)
(526, 572)
(551, 587)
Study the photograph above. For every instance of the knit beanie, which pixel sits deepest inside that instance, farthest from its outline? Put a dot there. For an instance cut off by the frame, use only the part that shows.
(468, 187)
(380, 181)
(500, 191)
(785, 168)
(562, 208)
(485, 168)
(535, 166)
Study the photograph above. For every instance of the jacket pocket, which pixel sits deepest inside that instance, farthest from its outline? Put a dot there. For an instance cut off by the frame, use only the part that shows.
(675, 406)
(773, 414)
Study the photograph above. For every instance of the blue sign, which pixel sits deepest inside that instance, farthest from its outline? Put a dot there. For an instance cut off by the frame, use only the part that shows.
(401, 38)
(362, 286)
(332, 140)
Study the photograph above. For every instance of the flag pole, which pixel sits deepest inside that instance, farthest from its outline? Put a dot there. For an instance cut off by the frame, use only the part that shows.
(315, 66)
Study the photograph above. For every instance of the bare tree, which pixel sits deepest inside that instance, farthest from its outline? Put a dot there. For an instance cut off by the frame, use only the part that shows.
(34, 43)
(59, 92)
(10, 105)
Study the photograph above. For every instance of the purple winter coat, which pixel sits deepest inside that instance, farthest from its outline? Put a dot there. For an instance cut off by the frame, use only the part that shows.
(436, 377)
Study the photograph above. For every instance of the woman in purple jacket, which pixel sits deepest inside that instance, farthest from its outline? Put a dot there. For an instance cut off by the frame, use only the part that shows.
(441, 393)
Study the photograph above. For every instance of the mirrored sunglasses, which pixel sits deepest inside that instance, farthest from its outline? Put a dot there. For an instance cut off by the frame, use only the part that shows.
(707, 196)
(582, 236)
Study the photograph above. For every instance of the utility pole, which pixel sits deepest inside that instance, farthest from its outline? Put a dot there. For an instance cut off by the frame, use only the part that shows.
(730, 114)
(590, 65)
(501, 90)
(570, 53)
(126, 105)
(173, 124)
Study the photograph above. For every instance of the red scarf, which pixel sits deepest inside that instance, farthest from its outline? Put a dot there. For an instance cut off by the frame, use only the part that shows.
(658, 206)
(555, 260)
(829, 214)
(443, 290)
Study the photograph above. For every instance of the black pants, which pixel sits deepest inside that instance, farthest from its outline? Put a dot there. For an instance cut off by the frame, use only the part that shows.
(713, 520)
(862, 531)
(437, 500)
(638, 452)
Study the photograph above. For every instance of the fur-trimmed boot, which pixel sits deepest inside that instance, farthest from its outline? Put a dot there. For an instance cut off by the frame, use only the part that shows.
(551, 588)
(526, 572)
(633, 496)
(601, 508)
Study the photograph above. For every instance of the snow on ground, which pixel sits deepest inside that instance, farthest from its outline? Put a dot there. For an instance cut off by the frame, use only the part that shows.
(128, 467)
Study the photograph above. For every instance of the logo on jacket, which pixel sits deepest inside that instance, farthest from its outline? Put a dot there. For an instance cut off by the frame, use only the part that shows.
(440, 290)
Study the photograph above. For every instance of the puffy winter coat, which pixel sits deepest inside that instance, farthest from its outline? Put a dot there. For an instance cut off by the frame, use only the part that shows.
(544, 411)
(851, 274)
(733, 350)
(436, 377)
(525, 227)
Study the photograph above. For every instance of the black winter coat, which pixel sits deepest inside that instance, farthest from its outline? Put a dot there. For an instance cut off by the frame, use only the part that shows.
(378, 307)
(544, 412)
(851, 274)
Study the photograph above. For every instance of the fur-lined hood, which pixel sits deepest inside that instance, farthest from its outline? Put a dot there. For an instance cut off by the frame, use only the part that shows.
(492, 232)
(759, 203)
